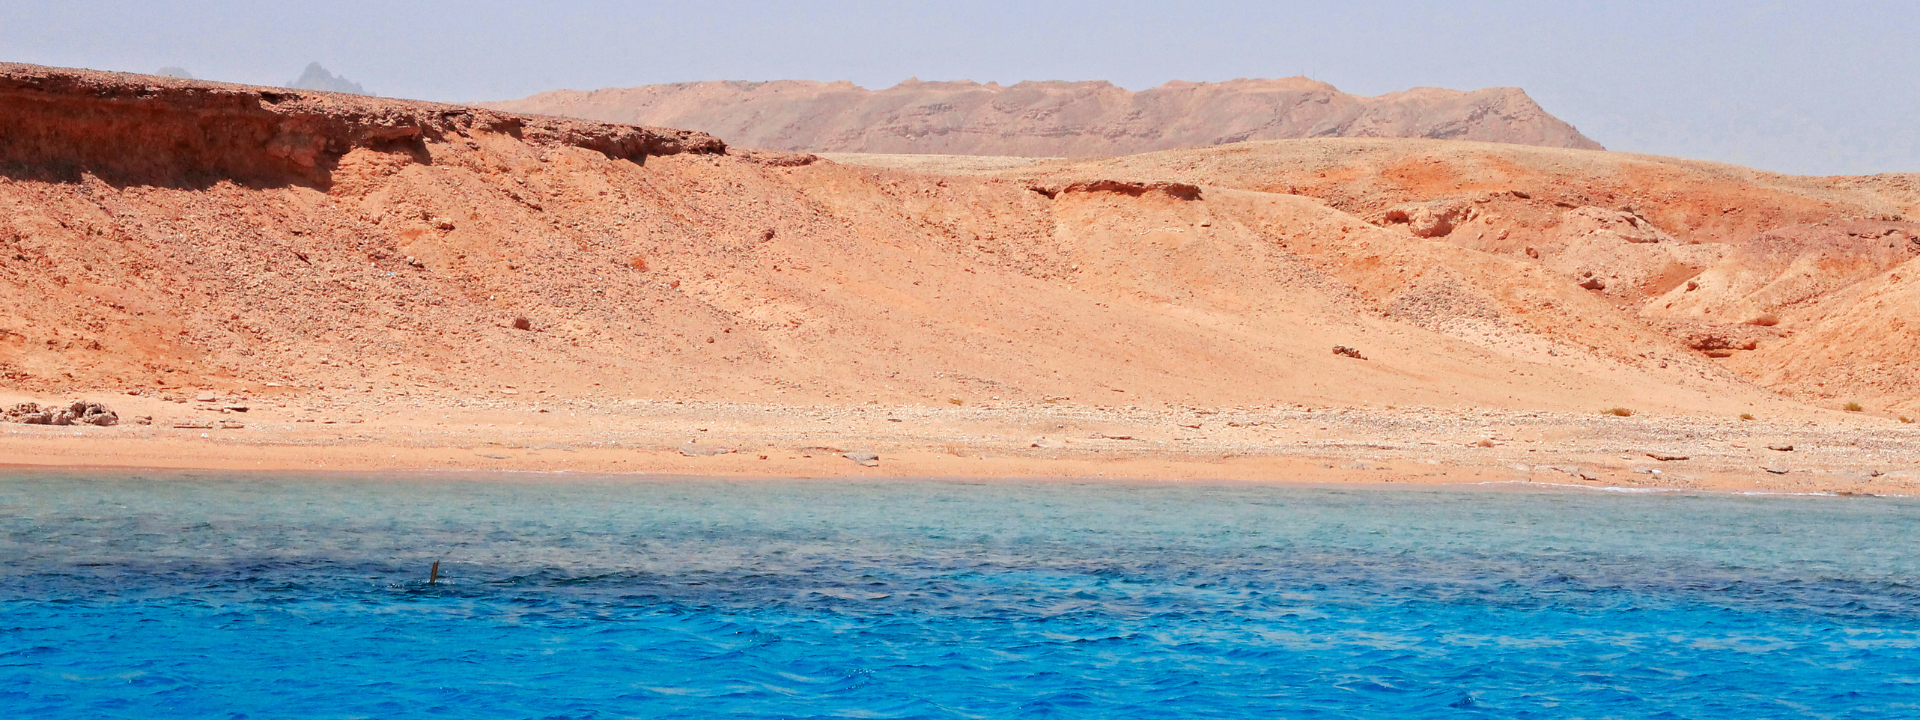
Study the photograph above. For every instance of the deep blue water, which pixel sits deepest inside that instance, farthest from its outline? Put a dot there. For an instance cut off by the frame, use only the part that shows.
(171, 595)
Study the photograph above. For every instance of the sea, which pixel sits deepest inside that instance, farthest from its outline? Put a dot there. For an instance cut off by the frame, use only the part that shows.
(127, 594)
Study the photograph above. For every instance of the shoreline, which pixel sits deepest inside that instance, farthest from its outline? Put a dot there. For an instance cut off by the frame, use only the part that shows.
(574, 476)
(1290, 444)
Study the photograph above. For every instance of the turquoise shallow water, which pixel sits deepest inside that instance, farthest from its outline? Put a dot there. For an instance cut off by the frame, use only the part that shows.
(174, 595)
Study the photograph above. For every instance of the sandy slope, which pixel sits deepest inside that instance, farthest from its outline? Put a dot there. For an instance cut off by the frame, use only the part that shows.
(1698, 250)
(383, 280)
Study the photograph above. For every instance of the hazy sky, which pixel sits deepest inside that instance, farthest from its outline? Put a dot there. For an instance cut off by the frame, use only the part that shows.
(1818, 88)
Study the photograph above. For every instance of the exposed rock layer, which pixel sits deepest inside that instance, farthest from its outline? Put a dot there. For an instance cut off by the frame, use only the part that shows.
(167, 131)
(1056, 119)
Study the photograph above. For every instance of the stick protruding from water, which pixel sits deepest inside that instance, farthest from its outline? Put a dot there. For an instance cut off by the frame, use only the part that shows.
(433, 575)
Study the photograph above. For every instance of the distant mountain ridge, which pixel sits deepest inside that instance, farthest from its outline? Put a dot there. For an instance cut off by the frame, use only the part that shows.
(316, 77)
(1055, 119)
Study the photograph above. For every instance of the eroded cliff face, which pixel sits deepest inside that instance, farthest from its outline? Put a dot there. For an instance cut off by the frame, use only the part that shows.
(1057, 119)
(60, 124)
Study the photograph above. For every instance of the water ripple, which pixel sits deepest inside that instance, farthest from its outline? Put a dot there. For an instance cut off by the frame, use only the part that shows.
(209, 596)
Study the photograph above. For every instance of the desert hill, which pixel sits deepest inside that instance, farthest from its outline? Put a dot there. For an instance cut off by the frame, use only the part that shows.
(327, 244)
(1798, 283)
(1054, 119)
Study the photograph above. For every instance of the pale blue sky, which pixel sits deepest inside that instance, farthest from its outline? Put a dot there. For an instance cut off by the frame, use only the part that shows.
(1817, 88)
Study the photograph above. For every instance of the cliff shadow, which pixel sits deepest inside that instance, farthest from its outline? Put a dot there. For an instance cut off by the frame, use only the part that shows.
(64, 139)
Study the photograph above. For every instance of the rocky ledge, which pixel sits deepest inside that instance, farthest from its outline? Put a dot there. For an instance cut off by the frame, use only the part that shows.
(148, 129)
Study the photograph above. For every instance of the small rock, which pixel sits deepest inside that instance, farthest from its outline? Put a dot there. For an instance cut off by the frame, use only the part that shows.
(1665, 457)
(1781, 448)
(867, 459)
(1484, 444)
(1590, 477)
(1594, 284)
(1348, 352)
(28, 413)
(1775, 470)
(521, 323)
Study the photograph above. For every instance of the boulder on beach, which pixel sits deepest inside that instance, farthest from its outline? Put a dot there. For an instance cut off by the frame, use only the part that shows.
(78, 413)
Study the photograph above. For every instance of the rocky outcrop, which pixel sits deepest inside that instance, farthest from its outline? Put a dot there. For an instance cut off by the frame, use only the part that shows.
(1181, 191)
(78, 413)
(1056, 119)
(1789, 267)
(1619, 226)
(1426, 219)
(144, 129)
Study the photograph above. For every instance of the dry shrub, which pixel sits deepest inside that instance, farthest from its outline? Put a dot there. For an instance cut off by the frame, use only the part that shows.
(1618, 412)
(1853, 407)
(1746, 416)
(955, 401)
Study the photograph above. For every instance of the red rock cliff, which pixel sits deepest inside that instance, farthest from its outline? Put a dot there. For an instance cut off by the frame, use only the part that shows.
(156, 130)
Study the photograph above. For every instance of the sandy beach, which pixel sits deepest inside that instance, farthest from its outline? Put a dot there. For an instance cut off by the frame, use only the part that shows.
(1831, 454)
